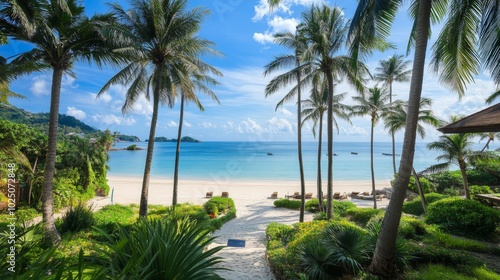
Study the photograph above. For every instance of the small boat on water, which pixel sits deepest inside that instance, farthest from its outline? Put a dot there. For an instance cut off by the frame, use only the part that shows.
(354, 153)
(269, 154)
(386, 154)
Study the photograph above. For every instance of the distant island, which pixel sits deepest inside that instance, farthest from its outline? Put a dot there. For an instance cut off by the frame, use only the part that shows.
(183, 139)
(127, 138)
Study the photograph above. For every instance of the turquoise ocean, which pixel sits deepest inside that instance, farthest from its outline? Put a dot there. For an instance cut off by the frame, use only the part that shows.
(250, 160)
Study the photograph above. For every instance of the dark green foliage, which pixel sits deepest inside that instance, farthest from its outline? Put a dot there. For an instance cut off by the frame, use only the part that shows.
(183, 139)
(218, 204)
(194, 212)
(361, 216)
(77, 218)
(481, 177)
(464, 217)
(132, 147)
(340, 208)
(279, 232)
(411, 228)
(432, 254)
(447, 179)
(67, 124)
(312, 205)
(162, 249)
(427, 186)
(127, 138)
(287, 203)
(479, 190)
(414, 207)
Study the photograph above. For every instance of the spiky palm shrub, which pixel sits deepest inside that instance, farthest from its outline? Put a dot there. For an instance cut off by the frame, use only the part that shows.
(162, 249)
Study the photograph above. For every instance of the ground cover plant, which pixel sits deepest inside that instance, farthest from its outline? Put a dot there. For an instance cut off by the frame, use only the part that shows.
(342, 248)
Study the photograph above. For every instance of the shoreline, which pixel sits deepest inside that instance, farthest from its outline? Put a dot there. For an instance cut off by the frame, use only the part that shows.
(127, 189)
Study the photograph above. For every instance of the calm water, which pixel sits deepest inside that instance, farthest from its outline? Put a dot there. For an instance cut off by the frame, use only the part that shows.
(249, 160)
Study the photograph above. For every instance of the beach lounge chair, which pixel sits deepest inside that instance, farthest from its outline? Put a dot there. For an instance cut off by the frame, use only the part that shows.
(336, 195)
(209, 194)
(294, 195)
(309, 195)
(274, 195)
(225, 194)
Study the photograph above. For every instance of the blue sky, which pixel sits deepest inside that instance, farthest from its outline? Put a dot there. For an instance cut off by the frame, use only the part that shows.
(243, 31)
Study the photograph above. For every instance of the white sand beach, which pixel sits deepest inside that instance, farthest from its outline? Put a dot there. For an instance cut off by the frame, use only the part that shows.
(254, 211)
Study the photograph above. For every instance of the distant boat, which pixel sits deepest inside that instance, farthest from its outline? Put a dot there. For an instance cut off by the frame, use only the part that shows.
(354, 153)
(386, 154)
(269, 154)
(333, 154)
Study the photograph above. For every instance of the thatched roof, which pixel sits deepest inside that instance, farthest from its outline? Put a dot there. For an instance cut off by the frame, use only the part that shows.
(487, 120)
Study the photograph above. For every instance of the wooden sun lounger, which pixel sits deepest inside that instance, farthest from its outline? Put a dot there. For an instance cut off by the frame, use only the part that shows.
(274, 195)
(209, 194)
(295, 195)
(309, 195)
(225, 194)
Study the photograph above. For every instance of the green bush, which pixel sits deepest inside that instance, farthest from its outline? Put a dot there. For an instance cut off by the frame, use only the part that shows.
(425, 254)
(279, 232)
(162, 249)
(411, 228)
(427, 186)
(194, 212)
(340, 207)
(77, 218)
(479, 190)
(361, 216)
(287, 203)
(464, 217)
(447, 179)
(434, 271)
(312, 205)
(110, 216)
(414, 207)
(480, 177)
(26, 214)
(132, 147)
(218, 204)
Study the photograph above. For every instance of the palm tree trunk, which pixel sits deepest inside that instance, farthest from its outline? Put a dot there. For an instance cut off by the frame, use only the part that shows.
(383, 259)
(320, 188)
(371, 166)
(463, 169)
(50, 231)
(178, 152)
(329, 121)
(33, 170)
(420, 191)
(392, 134)
(143, 208)
(490, 138)
(299, 147)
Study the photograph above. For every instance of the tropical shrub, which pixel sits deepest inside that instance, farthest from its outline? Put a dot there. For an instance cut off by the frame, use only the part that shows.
(414, 207)
(162, 249)
(361, 216)
(425, 254)
(287, 203)
(480, 177)
(312, 205)
(447, 179)
(411, 228)
(279, 232)
(77, 218)
(218, 204)
(464, 217)
(194, 212)
(427, 186)
(340, 207)
(436, 271)
(132, 147)
(479, 190)
(110, 216)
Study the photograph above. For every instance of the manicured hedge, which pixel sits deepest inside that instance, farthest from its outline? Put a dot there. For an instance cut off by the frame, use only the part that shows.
(287, 203)
(414, 207)
(464, 217)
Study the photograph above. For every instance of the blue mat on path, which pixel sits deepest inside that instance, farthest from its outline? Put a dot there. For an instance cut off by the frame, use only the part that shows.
(235, 243)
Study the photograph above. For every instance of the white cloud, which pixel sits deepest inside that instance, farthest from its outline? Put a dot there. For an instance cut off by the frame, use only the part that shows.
(172, 124)
(277, 125)
(276, 24)
(186, 124)
(286, 6)
(207, 125)
(113, 119)
(74, 112)
(40, 86)
(352, 130)
(250, 126)
(285, 112)
(104, 97)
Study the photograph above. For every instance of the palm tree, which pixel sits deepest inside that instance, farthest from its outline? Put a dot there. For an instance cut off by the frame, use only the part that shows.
(457, 58)
(325, 30)
(491, 137)
(392, 70)
(297, 43)
(198, 82)
(157, 38)
(314, 109)
(374, 105)
(456, 149)
(62, 34)
(395, 120)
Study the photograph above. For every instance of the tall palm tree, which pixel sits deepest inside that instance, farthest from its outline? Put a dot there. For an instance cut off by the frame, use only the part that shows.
(373, 104)
(314, 109)
(199, 81)
(156, 36)
(394, 69)
(297, 43)
(62, 34)
(457, 58)
(325, 30)
(456, 149)
(395, 120)
(491, 137)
